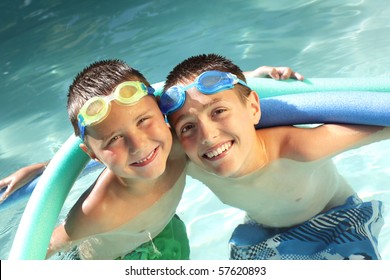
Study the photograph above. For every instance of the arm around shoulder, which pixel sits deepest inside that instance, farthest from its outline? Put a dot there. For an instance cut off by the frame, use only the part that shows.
(309, 144)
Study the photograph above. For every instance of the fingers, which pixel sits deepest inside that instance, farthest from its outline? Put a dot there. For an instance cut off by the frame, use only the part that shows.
(298, 76)
(3, 197)
(5, 194)
(285, 73)
(274, 73)
(5, 183)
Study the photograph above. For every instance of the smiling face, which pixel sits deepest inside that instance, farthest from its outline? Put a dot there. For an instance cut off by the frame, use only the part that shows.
(133, 141)
(217, 131)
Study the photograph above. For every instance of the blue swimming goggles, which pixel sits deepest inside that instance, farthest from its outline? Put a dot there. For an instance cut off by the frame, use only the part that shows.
(208, 82)
(97, 108)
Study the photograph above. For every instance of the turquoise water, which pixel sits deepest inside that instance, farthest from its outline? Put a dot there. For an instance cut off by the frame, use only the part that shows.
(44, 44)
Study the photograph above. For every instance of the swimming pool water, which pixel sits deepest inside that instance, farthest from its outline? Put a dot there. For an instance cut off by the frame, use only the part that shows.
(44, 44)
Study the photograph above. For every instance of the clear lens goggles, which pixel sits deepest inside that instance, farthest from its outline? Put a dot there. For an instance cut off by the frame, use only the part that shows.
(97, 108)
(208, 82)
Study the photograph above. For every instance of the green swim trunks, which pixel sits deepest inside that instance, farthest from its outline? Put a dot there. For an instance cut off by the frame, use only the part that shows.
(171, 244)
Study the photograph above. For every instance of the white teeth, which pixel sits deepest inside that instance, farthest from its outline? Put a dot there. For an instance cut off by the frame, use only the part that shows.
(147, 158)
(219, 151)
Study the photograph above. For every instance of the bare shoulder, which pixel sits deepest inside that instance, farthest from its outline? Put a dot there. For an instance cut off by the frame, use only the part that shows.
(88, 215)
(80, 223)
(276, 140)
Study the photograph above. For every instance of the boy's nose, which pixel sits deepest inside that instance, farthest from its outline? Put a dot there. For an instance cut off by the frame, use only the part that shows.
(135, 142)
(208, 132)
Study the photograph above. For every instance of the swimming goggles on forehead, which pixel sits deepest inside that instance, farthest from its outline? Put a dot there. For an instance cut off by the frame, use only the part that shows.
(208, 82)
(97, 108)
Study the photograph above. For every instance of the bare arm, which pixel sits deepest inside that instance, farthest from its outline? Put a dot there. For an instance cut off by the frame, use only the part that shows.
(19, 178)
(328, 140)
(60, 241)
(79, 224)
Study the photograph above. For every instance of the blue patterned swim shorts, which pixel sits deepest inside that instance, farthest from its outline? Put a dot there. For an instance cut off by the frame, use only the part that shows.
(345, 232)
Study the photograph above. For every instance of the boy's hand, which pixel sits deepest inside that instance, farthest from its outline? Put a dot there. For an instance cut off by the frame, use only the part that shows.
(19, 178)
(277, 73)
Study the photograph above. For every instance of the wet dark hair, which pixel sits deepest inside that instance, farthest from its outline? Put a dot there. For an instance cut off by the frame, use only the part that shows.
(193, 66)
(98, 79)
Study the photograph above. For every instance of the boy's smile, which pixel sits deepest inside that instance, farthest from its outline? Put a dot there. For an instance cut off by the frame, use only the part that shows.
(218, 152)
(148, 159)
(216, 131)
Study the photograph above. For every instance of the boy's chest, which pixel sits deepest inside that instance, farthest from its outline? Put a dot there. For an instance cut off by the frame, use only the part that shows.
(282, 194)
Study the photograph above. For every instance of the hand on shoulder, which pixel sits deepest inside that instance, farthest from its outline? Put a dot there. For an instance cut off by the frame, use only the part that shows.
(277, 73)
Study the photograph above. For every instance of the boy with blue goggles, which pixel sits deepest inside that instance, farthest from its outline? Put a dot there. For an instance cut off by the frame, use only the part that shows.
(97, 108)
(208, 82)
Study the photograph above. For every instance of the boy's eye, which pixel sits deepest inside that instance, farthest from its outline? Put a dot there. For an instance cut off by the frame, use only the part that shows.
(218, 111)
(186, 128)
(142, 120)
(113, 140)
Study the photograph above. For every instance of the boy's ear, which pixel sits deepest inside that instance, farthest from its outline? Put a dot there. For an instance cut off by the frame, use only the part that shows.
(254, 106)
(88, 151)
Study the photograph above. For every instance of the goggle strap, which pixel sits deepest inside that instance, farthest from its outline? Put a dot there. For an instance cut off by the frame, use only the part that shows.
(242, 82)
(81, 127)
(237, 80)
(151, 90)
